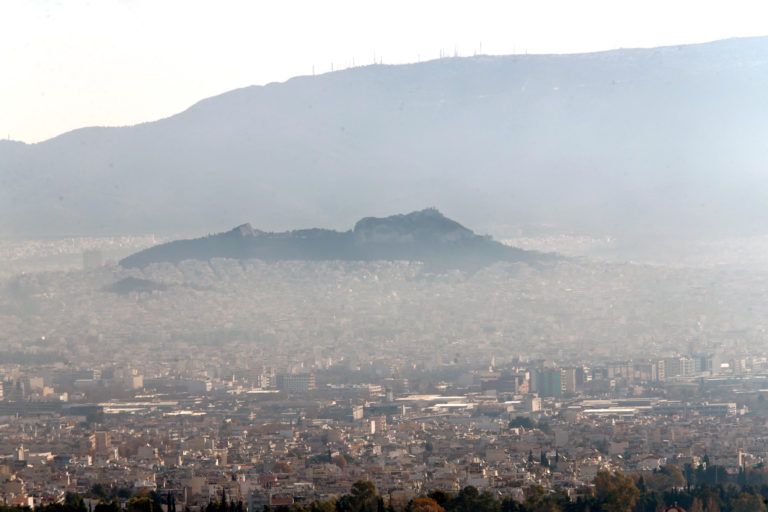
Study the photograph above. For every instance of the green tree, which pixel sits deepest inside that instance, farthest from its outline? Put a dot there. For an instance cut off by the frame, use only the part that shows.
(511, 505)
(534, 495)
(323, 506)
(441, 497)
(143, 504)
(99, 491)
(469, 499)
(676, 477)
(74, 499)
(615, 492)
(649, 501)
(522, 422)
(362, 498)
(748, 502)
(110, 506)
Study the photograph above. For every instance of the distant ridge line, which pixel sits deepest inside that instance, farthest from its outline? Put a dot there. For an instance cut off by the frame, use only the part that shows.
(427, 236)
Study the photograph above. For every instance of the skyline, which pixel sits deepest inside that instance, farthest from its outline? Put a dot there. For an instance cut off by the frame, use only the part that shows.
(124, 62)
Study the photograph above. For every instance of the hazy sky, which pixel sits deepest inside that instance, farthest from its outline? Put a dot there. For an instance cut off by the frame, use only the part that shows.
(72, 63)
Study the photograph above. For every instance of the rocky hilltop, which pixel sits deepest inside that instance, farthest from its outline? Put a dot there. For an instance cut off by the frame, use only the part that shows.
(425, 235)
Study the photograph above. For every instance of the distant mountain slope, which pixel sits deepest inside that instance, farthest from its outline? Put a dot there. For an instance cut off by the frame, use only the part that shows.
(129, 285)
(623, 142)
(425, 236)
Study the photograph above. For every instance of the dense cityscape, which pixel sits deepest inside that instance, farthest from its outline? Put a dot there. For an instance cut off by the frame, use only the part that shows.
(288, 384)
(383, 256)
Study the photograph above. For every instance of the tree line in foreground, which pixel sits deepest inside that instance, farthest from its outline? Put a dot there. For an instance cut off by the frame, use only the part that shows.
(695, 490)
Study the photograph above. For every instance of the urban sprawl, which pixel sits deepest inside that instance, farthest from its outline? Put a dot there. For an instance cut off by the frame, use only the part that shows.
(288, 384)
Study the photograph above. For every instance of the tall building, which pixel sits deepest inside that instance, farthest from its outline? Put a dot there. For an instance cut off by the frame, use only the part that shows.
(531, 403)
(703, 363)
(549, 382)
(569, 379)
(506, 382)
(646, 371)
(296, 382)
(679, 367)
(101, 441)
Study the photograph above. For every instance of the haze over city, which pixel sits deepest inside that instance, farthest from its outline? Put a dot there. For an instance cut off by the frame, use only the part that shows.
(367, 257)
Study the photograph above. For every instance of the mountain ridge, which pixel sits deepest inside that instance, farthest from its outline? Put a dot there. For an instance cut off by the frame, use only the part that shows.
(665, 140)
